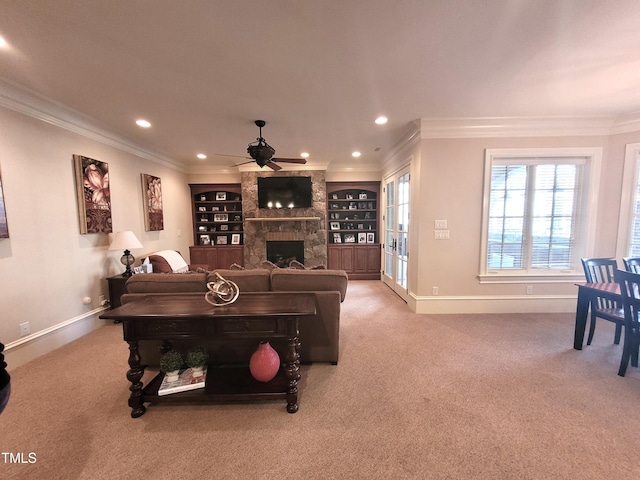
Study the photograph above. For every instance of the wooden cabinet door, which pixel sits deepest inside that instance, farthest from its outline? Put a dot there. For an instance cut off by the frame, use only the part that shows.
(227, 256)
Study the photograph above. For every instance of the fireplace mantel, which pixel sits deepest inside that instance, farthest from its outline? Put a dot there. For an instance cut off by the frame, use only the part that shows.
(281, 219)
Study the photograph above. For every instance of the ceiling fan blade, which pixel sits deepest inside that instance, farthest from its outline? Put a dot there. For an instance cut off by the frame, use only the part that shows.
(273, 166)
(244, 163)
(290, 160)
(225, 155)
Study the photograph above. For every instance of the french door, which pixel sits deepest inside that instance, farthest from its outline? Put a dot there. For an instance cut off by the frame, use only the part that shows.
(396, 232)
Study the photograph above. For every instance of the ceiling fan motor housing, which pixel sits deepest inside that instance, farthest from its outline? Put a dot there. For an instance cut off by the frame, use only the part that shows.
(261, 153)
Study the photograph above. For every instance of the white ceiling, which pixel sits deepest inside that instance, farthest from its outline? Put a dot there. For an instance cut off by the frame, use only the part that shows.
(319, 72)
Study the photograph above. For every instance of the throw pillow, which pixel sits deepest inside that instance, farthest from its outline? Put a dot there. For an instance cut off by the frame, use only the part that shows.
(235, 266)
(269, 265)
(296, 264)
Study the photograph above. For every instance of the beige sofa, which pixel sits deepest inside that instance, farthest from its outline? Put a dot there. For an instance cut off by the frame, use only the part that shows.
(319, 335)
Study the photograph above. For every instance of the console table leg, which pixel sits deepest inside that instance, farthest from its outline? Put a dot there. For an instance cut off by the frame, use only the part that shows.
(134, 375)
(292, 367)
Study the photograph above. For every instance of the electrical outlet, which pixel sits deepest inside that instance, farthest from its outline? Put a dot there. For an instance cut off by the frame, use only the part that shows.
(435, 291)
(529, 289)
(24, 329)
(179, 233)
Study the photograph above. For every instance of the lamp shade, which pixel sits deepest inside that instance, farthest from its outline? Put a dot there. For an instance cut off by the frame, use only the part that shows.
(126, 240)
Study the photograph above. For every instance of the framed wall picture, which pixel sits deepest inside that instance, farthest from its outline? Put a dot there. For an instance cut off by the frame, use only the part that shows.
(152, 201)
(235, 239)
(335, 225)
(371, 237)
(221, 195)
(94, 196)
(4, 226)
(221, 217)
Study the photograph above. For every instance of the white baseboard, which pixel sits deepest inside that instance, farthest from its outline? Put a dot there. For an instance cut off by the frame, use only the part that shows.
(37, 344)
(494, 304)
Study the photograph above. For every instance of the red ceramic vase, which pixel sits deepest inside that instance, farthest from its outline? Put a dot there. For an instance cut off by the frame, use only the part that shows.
(264, 363)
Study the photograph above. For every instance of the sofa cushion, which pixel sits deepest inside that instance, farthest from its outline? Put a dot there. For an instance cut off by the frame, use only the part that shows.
(167, 283)
(290, 279)
(168, 261)
(255, 280)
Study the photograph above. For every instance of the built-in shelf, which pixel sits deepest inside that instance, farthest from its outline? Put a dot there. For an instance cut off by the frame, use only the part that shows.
(280, 219)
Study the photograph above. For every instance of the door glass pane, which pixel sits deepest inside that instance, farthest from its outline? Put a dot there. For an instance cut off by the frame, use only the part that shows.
(389, 231)
(402, 230)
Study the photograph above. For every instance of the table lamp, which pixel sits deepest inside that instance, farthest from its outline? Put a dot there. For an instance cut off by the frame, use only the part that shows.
(126, 241)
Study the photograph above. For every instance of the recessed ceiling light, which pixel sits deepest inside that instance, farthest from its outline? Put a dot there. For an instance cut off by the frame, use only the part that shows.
(304, 155)
(356, 154)
(381, 120)
(201, 156)
(143, 123)
(3, 43)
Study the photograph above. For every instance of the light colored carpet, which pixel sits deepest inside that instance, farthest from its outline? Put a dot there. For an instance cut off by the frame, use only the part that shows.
(414, 396)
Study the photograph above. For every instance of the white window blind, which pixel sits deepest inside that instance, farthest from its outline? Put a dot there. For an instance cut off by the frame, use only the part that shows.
(536, 214)
(634, 239)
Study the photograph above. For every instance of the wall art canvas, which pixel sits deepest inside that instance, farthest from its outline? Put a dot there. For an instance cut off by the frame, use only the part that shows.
(152, 200)
(4, 227)
(94, 197)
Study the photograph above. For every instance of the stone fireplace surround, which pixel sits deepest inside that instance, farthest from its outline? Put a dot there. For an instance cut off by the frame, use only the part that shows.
(306, 224)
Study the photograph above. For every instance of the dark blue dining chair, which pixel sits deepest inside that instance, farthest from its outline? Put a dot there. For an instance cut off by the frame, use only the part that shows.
(602, 270)
(630, 291)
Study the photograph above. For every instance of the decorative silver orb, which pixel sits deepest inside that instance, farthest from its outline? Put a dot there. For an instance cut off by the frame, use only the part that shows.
(221, 292)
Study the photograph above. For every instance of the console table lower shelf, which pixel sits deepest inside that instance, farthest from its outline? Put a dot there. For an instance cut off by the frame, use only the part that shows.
(224, 384)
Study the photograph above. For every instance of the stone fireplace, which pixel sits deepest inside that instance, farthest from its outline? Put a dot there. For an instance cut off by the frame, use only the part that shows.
(304, 225)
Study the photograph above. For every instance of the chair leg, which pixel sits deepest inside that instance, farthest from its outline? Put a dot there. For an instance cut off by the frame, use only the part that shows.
(616, 339)
(634, 354)
(626, 353)
(592, 329)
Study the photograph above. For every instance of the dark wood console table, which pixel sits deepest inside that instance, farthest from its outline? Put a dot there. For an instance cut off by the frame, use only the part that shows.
(253, 315)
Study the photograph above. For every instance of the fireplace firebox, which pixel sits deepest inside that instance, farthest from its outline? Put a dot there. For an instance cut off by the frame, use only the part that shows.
(282, 253)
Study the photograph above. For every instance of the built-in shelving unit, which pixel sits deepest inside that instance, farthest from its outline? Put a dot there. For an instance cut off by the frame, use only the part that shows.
(218, 233)
(353, 219)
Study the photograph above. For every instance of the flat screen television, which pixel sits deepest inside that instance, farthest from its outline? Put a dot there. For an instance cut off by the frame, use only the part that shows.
(284, 192)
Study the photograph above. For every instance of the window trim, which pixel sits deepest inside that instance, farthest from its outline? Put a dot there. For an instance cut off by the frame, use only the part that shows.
(629, 175)
(587, 208)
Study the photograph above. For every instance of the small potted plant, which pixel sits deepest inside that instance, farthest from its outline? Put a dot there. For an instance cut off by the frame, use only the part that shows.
(196, 360)
(170, 364)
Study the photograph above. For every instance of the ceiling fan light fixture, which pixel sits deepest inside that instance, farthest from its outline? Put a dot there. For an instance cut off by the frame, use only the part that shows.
(304, 155)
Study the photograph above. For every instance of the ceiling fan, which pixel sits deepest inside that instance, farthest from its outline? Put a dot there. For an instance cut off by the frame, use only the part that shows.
(262, 153)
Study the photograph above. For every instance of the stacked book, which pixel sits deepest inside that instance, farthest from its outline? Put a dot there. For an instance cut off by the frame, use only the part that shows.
(186, 381)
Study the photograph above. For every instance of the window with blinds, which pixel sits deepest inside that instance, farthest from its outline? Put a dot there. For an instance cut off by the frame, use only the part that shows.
(634, 238)
(536, 212)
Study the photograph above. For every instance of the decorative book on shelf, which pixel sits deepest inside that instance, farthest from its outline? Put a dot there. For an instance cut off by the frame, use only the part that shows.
(186, 381)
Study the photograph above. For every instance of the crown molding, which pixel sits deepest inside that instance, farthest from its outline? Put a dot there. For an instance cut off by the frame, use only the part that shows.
(483, 127)
(27, 102)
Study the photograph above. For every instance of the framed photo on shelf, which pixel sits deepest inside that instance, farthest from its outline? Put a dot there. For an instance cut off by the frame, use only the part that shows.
(335, 225)
(205, 240)
(337, 238)
(334, 196)
(371, 237)
(221, 240)
(224, 227)
(221, 217)
(202, 209)
(235, 239)
(362, 237)
(362, 196)
(349, 238)
(202, 228)
(221, 195)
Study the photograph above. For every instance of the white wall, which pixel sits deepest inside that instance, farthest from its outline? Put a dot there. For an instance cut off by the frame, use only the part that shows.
(46, 266)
